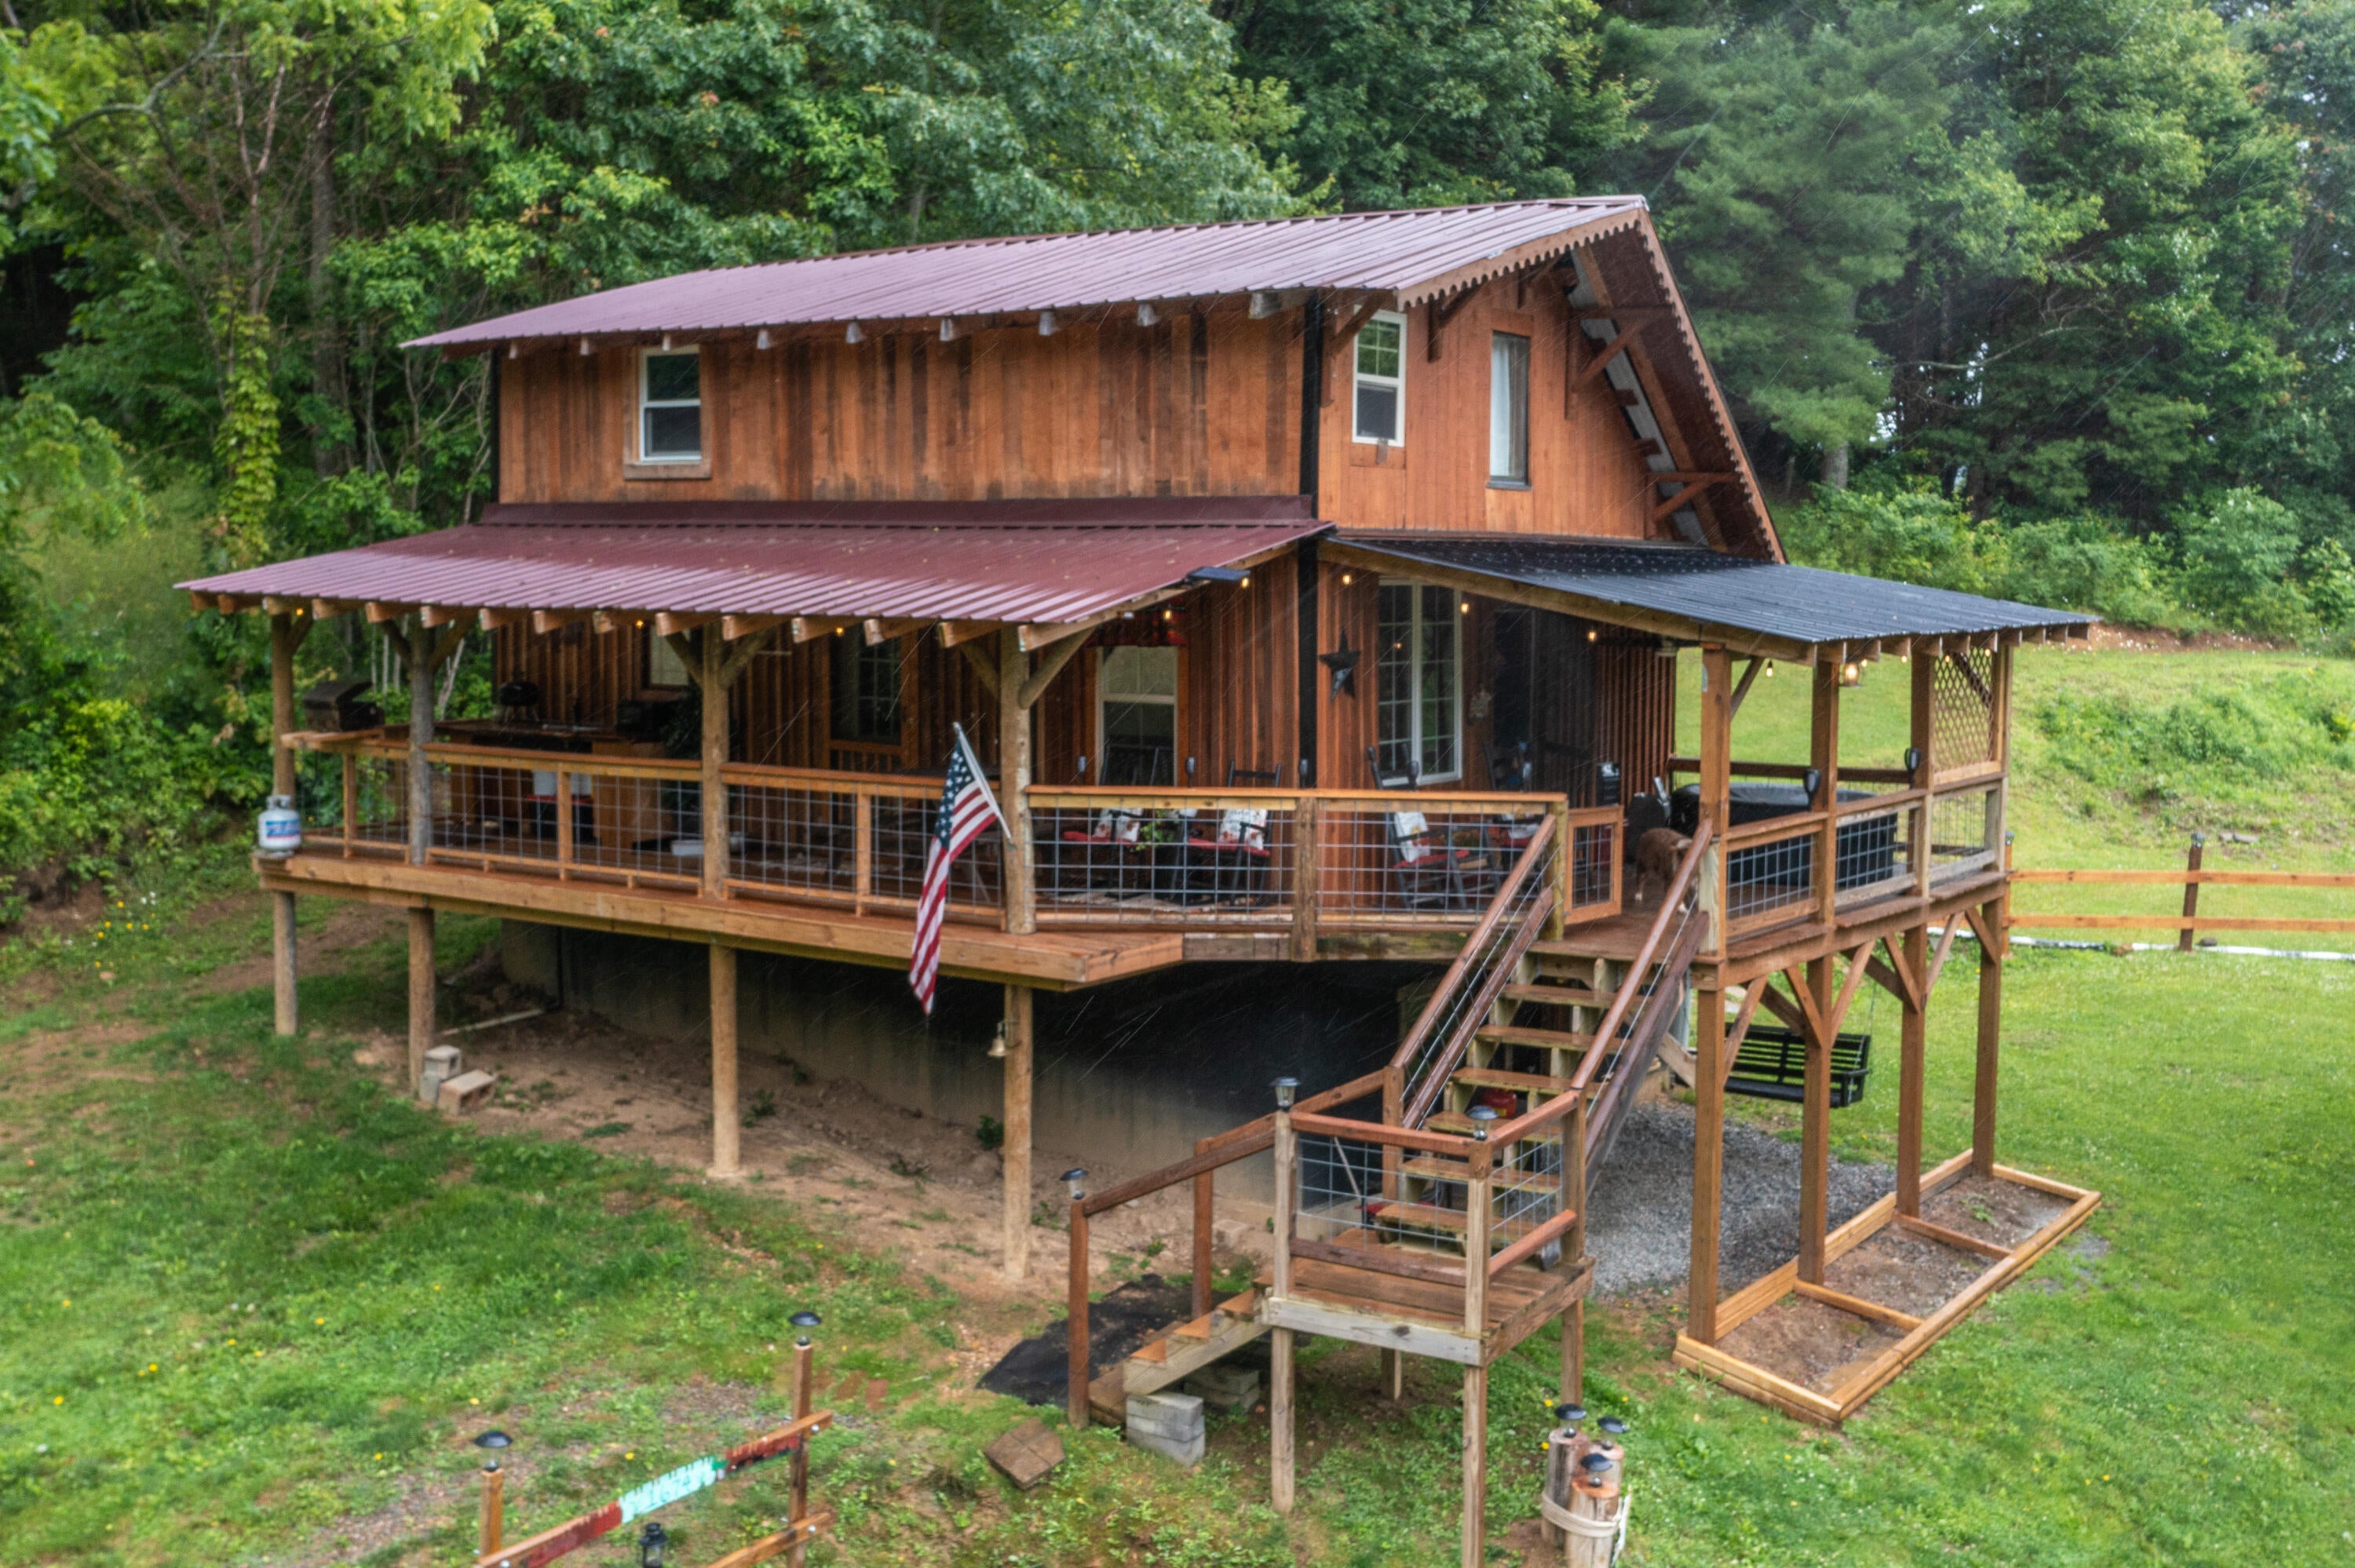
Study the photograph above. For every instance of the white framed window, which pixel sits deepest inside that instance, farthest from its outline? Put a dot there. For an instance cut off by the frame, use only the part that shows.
(1419, 682)
(670, 406)
(1508, 407)
(1137, 716)
(1380, 399)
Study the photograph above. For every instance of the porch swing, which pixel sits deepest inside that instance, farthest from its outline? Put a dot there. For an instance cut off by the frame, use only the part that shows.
(1772, 1063)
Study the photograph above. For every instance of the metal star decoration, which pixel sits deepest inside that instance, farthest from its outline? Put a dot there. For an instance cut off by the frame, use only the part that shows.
(1343, 663)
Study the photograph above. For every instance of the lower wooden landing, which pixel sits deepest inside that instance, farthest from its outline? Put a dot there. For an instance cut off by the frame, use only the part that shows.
(1423, 1318)
(2005, 1264)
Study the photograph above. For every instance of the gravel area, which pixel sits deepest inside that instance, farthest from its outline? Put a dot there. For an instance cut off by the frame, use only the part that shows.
(1641, 1235)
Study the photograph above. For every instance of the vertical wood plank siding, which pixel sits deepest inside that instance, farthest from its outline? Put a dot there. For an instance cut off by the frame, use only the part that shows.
(1635, 709)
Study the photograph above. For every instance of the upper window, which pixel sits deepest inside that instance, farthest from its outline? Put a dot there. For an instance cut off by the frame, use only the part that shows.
(1382, 379)
(670, 406)
(1419, 686)
(1508, 407)
(866, 690)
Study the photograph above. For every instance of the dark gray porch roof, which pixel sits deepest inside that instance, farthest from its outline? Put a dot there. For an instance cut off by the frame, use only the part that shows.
(1691, 592)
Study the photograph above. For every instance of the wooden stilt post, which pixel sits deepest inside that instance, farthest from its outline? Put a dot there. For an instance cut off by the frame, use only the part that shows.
(1075, 1328)
(420, 994)
(1015, 1152)
(494, 1519)
(1279, 1378)
(1815, 1129)
(1014, 780)
(1708, 1161)
(1477, 1193)
(1393, 1373)
(725, 1114)
(286, 634)
(805, 1394)
(1983, 1087)
(1716, 781)
(1206, 1196)
(418, 653)
(1912, 1064)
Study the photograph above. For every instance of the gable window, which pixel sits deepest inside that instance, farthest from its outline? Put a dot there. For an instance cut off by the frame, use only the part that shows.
(670, 406)
(1418, 684)
(1380, 398)
(866, 706)
(1136, 696)
(1508, 409)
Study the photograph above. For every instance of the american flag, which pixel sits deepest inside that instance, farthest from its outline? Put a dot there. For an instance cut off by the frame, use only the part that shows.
(967, 809)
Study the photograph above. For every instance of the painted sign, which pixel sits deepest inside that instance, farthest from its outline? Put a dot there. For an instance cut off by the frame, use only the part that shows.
(684, 1481)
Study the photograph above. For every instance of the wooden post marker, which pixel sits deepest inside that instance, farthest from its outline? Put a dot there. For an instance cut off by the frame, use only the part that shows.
(2185, 942)
(1583, 1504)
(726, 1120)
(420, 994)
(1076, 1323)
(1014, 1151)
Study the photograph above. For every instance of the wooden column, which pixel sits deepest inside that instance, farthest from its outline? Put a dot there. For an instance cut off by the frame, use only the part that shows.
(712, 680)
(1573, 1198)
(1015, 1150)
(1708, 1161)
(805, 1394)
(1279, 1378)
(1391, 1364)
(421, 993)
(1206, 1198)
(1716, 774)
(286, 634)
(1914, 1023)
(1924, 666)
(493, 1532)
(1075, 1326)
(1477, 1196)
(727, 1119)
(1823, 755)
(1816, 1128)
(1983, 1086)
(1014, 780)
(422, 665)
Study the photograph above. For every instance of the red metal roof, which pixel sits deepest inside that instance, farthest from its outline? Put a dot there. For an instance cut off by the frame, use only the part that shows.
(1409, 254)
(1033, 561)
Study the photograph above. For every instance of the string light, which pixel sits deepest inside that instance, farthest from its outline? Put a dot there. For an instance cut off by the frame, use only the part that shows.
(1346, 578)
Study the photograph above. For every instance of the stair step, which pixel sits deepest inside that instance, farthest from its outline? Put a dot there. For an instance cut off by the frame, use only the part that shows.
(1432, 1218)
(1514, 1035)
(1560, 995)
(1433, 1168)
(1496, 1078)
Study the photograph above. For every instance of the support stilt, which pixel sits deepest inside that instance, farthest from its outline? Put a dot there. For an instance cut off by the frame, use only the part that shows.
(1912, 1062)
(285, 1017)
(286, 635)
(725, 1116)
(1573, 1353)
(1394, 1375)
(1015, 1150)
(1279, 1419)
(1816, 1129)
(1475, 1467)
(420, 994)
(1990, 1036)
(1708, 1161)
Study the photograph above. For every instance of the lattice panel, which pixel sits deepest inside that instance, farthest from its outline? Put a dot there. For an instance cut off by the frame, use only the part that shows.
(1962, 710)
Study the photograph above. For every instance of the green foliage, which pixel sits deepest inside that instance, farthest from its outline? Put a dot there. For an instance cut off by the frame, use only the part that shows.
(246, 445)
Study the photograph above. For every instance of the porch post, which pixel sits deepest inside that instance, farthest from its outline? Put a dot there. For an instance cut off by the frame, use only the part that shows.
(1709, 1161)
(1014, 783)
(1823, 755)
(1816, 1127)
(1715, 778)
(713, 679)
(286, 635)
(1911, 1064)
(1015, 1150)
(1983, 1087)
(725, 1116)
(418, 654)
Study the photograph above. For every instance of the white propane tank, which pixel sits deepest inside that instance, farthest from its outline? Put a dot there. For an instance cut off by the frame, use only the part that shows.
(279, 829)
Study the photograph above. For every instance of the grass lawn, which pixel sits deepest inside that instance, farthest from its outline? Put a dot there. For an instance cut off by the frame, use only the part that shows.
(256, 1306)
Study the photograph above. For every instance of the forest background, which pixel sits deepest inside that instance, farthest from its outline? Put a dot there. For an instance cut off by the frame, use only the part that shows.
(2048, 300)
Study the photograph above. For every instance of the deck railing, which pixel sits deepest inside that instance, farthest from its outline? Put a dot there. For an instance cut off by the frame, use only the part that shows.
(1267, 861)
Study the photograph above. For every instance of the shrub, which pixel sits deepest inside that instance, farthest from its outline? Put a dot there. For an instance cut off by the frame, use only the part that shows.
(2240, 555)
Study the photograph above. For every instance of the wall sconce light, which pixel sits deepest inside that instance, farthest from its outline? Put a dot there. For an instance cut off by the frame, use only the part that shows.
(1464, 609)
(1593, 633)
(1347, 577)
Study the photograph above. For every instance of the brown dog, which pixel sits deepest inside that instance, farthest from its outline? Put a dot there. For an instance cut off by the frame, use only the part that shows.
(1658, 854)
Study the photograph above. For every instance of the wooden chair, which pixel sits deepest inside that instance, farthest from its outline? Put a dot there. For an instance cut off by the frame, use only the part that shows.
(1426, 871)
(1510, 768)
(1100, 857)
(1273, 777)
(1234, 856)
(1384, 779)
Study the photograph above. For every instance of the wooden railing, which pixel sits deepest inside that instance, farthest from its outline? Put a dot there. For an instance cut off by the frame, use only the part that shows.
(2191, 879)
(1293, 861)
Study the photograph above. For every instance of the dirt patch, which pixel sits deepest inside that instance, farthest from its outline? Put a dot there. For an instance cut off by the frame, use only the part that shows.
(350, 926)
(1808, 1343)
(1900, 1269)
(1993, 1209)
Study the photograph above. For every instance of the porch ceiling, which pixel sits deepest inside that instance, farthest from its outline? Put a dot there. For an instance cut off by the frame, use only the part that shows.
(1044, 563)
(1697, 595)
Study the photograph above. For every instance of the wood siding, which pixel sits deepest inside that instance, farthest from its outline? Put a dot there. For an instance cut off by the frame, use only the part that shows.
(1585, 474)
(1203, 403)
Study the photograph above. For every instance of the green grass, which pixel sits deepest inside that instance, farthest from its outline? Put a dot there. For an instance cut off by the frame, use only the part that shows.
(172, 1179)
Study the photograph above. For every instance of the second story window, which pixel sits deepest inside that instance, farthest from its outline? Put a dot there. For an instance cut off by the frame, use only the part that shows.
(670, 407)
(1508, 409)
(1381, 397)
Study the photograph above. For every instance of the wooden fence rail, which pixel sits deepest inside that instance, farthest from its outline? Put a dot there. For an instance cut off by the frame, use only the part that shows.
(2191, 879)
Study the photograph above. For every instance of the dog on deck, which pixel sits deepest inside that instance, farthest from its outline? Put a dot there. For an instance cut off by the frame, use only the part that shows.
(1658, 854)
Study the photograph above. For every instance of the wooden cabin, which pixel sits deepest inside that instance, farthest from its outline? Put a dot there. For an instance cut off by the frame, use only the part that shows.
(1312, 590)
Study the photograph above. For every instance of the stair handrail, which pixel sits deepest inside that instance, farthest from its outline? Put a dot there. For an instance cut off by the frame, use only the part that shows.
(1492, 973)
(1673, 908)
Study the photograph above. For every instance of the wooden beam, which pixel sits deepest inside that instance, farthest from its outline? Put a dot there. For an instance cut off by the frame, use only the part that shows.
(1049, 664)
(1684, 497)
(1646, 314)
(810, 628)
(733, 627)
(544, 621)
(982, 664)
(446, 615)
(670, 623)
(1442, 312)
(879, 629)
(1041, 634)
(500, 619)
(380, 613)
(1016, 1150)
(1741, 687)
(328, 609)
(954, 633)
(1599, 358)
(1342, 336)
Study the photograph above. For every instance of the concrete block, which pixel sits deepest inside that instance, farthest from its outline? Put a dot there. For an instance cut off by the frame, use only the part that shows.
(466, 1092)
(1167, 1417)
(1225, 1386)
(1187, 1453)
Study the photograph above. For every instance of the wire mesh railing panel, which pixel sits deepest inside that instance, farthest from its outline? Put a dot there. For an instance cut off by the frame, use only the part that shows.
(795, 838)
(1764, 875)
(899, 829)
(1963, 833)
(1230, 860)
(1441, 1033)
(379, 809)
(1594, 864)
(1361, 1193)
(1414, 864)
(1873, 853)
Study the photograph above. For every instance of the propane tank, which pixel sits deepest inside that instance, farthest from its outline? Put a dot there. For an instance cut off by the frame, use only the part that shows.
(279, 829)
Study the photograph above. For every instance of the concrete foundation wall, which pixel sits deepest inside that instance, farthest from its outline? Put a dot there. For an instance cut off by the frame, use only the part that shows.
(1127, 1075)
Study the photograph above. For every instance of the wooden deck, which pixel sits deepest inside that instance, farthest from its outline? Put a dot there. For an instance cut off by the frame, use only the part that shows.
(1054, 960)
(1423, 1318)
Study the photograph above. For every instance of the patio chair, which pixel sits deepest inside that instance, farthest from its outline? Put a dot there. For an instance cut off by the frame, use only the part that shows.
(1426, 871)
(1510, 768)
(1388, 778)
(1273, 777)
(1097, 856)
(1234, 856)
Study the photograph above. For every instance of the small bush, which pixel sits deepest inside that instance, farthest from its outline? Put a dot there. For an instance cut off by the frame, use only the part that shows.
(2240, 561)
